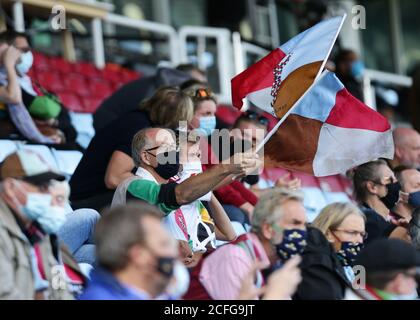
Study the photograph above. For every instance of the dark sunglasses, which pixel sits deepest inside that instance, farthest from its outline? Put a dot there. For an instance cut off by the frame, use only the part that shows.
(255, 116)
(203, 93)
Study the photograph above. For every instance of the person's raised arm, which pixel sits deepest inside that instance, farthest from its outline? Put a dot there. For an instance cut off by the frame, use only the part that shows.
(12, 92)
(224, 229)
(198, 185)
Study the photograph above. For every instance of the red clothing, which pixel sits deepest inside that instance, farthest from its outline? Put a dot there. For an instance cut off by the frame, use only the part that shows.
(234, 193)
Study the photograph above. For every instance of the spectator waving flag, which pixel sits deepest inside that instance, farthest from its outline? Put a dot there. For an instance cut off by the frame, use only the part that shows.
(328, 132)
(278, 80)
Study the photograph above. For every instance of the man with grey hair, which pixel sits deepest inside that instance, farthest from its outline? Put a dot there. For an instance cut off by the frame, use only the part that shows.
(155, 155)
(278, 234)
(135, 255)
(407, 148)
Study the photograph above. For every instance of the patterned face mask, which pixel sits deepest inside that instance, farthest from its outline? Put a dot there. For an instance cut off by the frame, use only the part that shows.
(348, 252)
(294, 242)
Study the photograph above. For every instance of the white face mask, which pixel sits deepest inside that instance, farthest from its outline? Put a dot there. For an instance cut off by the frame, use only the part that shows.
(411, 296)
(182, 281)
(190, 169)
(26, 61)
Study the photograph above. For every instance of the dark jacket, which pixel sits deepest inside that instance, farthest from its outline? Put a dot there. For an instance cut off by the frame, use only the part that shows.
(323, 276)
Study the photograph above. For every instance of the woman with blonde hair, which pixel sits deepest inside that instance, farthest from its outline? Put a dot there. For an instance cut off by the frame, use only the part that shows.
(334, 239)
(107, 161)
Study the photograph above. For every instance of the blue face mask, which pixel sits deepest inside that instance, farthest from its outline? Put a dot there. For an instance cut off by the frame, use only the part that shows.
(414, 199)
(38, 208)
(207, 125)
(357, 69)
(26, 61)
(294, 242)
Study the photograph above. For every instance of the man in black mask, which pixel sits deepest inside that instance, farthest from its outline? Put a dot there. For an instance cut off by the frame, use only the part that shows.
(156, 157)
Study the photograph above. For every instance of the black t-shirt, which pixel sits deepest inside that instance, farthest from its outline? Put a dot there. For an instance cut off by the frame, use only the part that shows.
(88, 179)
(376, 225)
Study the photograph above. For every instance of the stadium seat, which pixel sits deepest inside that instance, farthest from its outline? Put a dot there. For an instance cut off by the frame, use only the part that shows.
(51, 81)
(100, 89)
(112, 75)
(71, 101)
(87, 69)
(90, 104)
(76, 83)
(61, 65)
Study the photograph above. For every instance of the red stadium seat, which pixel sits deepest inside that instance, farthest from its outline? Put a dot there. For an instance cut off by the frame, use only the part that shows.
(87, 69)
(91, 104)
(76, 83)
(100, 89)
(51, 81)
(112, 75)
(40, 60)
(227, 114)
(129, 75)
(71, 101)
(60, 64)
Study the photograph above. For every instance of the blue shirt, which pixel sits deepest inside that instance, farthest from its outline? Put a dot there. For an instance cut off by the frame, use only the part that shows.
(104, 286)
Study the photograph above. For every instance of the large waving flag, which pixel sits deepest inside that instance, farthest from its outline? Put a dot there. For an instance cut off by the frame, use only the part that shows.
(328, 132)
(278, 80)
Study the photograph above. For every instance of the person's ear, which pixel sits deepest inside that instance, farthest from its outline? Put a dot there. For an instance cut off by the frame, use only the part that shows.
(329, 236)
(137, 255)
(145, 158)
(267, 231)
(398, 152)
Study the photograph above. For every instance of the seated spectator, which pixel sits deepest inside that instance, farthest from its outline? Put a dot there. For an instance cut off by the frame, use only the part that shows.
(129, 96)
(155, 156)
(391, 269)
(135, 255)
(16, 61)
(107, 160)
(278, 233)
(78, 228)
(329, 256)
(414, 229)
(377, 191)
(410, 192)
(349, 69)
(32, 259)
(407, 148)
(199, 228)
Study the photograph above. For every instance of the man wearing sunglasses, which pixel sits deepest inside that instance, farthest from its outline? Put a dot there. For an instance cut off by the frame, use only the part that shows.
(156, 156)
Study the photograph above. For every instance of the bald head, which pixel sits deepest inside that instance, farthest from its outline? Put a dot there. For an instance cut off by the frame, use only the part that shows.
(407, 147)
(150, 138)
(409, 180)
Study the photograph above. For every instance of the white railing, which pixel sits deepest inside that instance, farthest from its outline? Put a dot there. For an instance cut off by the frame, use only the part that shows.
(224, 53)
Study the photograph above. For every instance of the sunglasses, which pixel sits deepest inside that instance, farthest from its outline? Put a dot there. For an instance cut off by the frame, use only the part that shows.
(203, 93)
(255, 116)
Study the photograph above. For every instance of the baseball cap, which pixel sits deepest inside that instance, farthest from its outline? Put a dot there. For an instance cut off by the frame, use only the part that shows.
(29, 166)
(388, 255)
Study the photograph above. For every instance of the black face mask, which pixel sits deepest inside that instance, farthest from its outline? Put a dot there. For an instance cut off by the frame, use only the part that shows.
(171, 167)
(251, 179)
(392, 195)
(165, 265)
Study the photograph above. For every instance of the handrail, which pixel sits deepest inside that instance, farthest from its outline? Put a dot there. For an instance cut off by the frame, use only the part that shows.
(151, 26)
(224, 54)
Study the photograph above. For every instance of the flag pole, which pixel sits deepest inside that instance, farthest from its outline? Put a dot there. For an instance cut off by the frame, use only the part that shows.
(270, 134)
(320, 75)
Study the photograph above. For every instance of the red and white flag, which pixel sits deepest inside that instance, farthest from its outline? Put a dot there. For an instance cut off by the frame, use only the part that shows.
(278, 80)
(328, 132)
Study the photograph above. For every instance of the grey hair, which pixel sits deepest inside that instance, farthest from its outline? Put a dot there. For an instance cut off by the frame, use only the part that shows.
(269, 206)
(118, 230)
(139, 143)
(414, 228)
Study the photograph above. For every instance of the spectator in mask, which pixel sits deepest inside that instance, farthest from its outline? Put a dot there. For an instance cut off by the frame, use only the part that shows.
(199, 227)
(349, 69)
(410, 192)
(129, 96)
(407, 148)
(333, 244)
(12, 78)
(157, 160)
(135, 255)
(391, 268)
(107, 161)
(32, 260)
(377, 191)
(414, 228)
(278, 233)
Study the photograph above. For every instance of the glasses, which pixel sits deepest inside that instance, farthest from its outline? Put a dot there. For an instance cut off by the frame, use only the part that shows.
(255, 116)
(354, 233)
(167, 147)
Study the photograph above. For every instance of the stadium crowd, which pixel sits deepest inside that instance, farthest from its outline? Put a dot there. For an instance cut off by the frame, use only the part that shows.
(160, 207)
